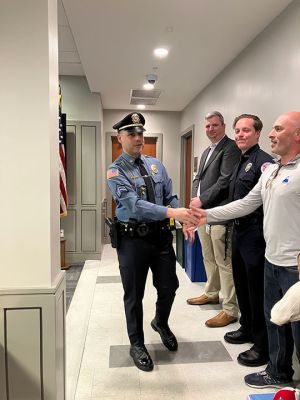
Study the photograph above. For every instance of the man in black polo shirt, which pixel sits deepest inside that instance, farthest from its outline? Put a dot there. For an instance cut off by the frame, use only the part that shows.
(248, 244)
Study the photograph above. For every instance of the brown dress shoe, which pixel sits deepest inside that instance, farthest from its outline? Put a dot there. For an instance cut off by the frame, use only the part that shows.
(203, 299)
(222, 319)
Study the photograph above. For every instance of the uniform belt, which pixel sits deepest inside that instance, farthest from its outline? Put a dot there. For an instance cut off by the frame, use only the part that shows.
(143, 229)
(242, 222)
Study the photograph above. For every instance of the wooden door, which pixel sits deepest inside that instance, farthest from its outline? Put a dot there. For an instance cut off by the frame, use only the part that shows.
(149, 149)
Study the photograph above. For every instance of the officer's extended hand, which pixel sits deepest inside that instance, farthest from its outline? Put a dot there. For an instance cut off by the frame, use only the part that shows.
(201, 216)
(183, 215)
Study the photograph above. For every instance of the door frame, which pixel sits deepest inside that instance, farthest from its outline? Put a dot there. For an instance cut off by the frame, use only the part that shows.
(183, 135)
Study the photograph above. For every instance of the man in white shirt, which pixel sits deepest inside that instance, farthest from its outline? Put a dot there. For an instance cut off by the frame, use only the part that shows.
(278, 190)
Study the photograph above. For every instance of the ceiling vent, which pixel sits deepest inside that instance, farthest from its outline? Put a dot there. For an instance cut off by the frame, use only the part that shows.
(147, 97)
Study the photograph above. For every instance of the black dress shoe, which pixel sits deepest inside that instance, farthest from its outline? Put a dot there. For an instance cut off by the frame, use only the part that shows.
(252, 358)
(141, 357)
(237, 337)
(167, 336)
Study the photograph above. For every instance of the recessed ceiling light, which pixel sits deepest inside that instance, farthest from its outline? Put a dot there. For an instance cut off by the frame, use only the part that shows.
(161, 52)
(148, 86)
(141, 107)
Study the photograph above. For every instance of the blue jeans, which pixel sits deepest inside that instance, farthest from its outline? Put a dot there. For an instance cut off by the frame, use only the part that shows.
(281, 338)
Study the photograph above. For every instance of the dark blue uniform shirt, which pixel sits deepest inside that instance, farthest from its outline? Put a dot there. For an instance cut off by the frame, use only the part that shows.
(247, 174)
(129, 190)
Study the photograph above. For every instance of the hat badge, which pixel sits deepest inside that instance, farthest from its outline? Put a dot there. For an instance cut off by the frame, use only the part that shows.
(135, 118)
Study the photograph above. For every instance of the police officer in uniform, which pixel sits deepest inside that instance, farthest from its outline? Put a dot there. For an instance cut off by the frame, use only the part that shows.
(248, 244)
(143, 193)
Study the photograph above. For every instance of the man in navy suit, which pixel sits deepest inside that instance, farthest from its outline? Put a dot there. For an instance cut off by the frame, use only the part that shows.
(211, 189)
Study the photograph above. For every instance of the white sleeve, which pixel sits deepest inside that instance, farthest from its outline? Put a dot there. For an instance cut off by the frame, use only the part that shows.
(288, 308)
(238, 208)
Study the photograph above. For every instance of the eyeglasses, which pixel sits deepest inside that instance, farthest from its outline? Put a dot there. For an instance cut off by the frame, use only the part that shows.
(273, 176)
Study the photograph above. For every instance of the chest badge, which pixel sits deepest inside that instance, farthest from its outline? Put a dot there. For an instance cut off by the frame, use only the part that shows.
(248, 167)
(154, 169)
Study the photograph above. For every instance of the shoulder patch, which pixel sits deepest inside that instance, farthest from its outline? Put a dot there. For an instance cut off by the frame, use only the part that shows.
(112, 173)
(265, 166)
(120, 189)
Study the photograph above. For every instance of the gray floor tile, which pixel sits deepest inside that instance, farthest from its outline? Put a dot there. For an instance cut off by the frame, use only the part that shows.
(72, 277)
(188, 353)
(109, 279)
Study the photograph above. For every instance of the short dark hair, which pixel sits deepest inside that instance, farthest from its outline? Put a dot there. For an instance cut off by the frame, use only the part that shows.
(257, 124)
(215, 114)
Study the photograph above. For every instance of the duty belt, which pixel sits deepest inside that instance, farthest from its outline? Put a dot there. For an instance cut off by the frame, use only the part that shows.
(134, 228)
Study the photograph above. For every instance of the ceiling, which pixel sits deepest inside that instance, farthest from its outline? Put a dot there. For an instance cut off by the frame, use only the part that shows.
(111, 42)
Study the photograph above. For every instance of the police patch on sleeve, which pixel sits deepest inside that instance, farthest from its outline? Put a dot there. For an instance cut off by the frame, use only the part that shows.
(264, 166)
(121, 189)
(112, 173)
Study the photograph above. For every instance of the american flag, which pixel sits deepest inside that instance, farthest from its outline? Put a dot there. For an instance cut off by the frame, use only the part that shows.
(62, 160)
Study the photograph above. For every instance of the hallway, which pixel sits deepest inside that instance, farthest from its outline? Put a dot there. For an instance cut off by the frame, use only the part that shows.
(204, 368)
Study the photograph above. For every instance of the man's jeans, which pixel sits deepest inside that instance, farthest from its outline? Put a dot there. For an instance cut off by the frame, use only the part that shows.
(281, 338)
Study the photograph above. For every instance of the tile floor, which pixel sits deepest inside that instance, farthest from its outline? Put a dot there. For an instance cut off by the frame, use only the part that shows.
(72, 277)
(204, 368)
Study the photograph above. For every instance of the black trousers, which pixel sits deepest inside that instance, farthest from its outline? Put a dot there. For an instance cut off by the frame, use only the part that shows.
(248, 257)
(136, 255)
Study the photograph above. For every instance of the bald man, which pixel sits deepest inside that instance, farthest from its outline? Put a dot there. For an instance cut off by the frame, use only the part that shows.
(278, 190)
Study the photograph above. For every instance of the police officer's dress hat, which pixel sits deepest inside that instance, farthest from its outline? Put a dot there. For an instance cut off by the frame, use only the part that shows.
(133, 122)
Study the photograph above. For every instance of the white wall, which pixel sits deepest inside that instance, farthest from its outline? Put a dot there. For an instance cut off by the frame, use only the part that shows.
(264, 79)
(29, 156)
(167, 123)
(77, 100)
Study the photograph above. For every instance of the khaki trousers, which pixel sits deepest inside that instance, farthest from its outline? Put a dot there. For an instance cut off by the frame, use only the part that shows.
(216, 248)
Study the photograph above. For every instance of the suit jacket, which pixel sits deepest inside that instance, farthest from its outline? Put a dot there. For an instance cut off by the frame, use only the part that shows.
(214, 177)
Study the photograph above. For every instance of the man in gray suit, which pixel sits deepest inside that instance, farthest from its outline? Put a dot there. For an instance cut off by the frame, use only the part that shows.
(211, 189)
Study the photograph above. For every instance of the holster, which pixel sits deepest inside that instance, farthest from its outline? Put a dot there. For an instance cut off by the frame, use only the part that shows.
(114, 231)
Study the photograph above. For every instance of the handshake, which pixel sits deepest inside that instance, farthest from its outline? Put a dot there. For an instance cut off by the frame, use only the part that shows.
(190, 217)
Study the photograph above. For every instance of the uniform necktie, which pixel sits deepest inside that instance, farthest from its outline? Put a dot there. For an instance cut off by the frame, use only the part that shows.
(147, 179)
